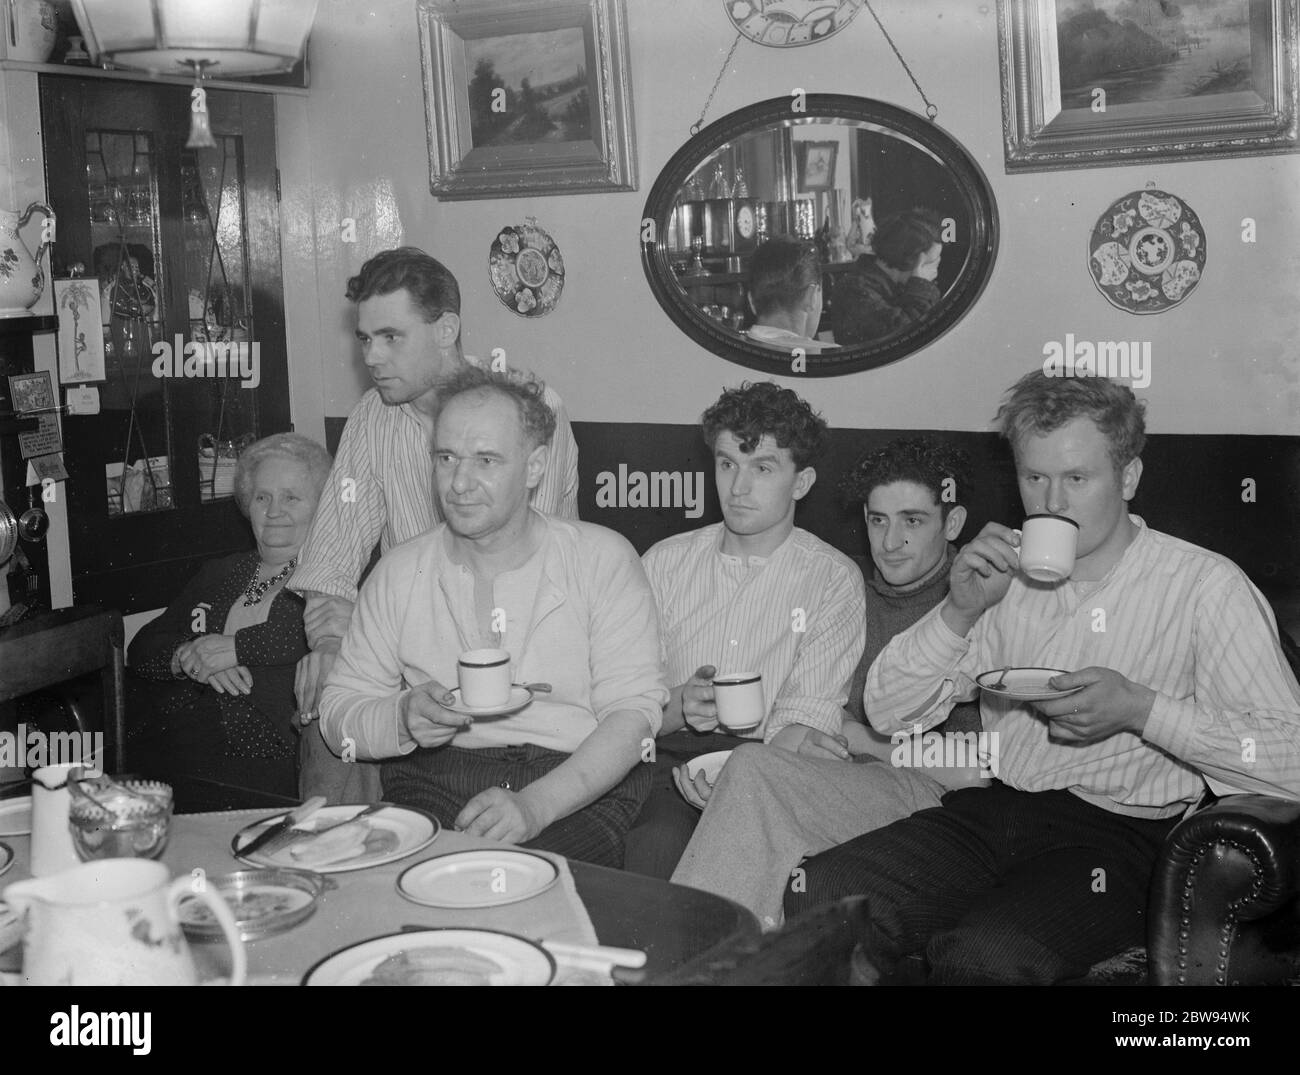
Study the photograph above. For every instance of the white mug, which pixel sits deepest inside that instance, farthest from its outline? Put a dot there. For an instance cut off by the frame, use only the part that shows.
(52, 849)
(739, 698)
(1048, 544)
(484, 676)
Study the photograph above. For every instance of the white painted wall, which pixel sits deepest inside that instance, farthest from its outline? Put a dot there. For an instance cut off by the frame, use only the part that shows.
(1224, 361)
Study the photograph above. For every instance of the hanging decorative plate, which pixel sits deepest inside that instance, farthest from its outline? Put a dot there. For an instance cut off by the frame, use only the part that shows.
(526, 269)
(1147, 252)
(786, 23)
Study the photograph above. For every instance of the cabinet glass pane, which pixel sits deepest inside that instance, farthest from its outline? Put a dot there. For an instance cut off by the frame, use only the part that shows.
(122, 187)
(221, 315)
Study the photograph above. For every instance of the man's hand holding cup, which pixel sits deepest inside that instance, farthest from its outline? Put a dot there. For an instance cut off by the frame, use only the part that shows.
(426, 718)
(698, 707)
(980, 576)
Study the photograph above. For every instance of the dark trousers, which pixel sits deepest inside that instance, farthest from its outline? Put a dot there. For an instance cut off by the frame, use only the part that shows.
(996, 886)
(444, 779)
(667, 821)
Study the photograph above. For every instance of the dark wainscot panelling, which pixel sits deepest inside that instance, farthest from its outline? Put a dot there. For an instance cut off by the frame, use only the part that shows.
(1192, 487)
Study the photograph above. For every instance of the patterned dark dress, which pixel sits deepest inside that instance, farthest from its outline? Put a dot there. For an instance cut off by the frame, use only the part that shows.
(177, 727)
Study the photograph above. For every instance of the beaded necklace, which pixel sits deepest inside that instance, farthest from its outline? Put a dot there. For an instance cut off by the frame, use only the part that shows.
(257, 590)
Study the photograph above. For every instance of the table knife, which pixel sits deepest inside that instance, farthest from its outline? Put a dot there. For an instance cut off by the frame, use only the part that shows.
(284, 824)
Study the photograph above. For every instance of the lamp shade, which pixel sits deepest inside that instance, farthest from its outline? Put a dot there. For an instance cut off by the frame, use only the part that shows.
(235, 38)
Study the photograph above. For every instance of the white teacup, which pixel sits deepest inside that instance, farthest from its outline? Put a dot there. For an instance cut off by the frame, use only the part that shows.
(1048, 544)
(484, 676)
(739, 698)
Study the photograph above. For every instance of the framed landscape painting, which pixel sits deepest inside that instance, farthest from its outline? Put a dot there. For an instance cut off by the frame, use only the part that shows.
(1090, 83)
(526, 97)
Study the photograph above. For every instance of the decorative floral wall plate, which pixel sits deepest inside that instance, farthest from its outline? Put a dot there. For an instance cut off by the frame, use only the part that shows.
(785, 23)
(527, 269)
(1147, 252)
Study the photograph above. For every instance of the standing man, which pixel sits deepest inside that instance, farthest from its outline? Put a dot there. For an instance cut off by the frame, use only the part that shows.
(770, 808)
(567, 600)
(381, 487)
(1176, 682)
(753, 593)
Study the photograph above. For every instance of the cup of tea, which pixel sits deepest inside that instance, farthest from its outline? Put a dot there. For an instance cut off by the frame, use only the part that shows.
(484, 676)
(739, 698)
(1048, 544)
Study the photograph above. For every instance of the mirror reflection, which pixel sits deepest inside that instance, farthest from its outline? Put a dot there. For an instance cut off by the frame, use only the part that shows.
(818, 233)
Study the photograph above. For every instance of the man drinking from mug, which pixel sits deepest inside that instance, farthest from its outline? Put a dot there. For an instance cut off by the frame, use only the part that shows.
(1171, 667)
(567, 600)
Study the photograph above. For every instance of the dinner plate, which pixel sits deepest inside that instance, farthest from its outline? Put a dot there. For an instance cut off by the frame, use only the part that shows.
(520, 696)
(481, 878)
(6, 857)
(481, 956)
(413, 828)
(711, 764)
(263, 902)
(1024, 684)
(16, 816)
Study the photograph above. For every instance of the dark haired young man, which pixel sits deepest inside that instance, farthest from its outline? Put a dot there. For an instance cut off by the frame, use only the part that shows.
(785, 293)
(381, 487)
(894, 287)
(753, 593)
(769, 809)
(1177, 684)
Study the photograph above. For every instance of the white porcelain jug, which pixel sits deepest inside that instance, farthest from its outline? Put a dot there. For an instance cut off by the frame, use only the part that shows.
(114, 922)
(22, 278)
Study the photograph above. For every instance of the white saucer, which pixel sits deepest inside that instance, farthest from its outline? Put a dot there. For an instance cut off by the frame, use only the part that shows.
(519, 698)
(710, 764)
(1024, 684)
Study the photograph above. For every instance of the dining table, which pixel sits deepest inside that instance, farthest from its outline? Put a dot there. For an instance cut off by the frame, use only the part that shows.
(673, 925)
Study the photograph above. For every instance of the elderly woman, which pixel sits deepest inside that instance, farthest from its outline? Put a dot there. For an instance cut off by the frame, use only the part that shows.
(222, 656)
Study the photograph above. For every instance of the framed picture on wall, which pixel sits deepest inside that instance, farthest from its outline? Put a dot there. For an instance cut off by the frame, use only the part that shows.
(1092, 83)
(527, 97)
(81, 331)
(815, 165)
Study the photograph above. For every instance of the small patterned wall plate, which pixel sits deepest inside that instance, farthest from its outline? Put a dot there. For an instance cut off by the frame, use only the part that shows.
(526, 268)
(786, 23)
(1147, 252)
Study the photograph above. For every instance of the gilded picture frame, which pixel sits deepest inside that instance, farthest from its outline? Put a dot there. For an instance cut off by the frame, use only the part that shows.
(1144, 81)
(527, 97)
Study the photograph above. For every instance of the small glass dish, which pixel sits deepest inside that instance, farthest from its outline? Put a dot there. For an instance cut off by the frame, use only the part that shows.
(264, 902)
(128, 823)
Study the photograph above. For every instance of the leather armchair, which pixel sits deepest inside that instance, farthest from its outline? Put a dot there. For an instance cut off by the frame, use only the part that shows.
(1225, 896)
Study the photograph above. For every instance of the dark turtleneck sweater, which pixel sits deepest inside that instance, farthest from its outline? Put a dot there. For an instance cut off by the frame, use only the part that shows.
(891, 609)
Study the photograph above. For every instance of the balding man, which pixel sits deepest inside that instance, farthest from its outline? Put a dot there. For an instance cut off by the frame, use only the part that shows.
(567, 600)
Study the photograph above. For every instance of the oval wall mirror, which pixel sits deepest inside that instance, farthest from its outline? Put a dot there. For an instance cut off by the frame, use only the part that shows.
(897, 219)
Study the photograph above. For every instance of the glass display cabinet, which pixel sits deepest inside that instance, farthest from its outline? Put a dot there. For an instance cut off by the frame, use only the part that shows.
(179, 252)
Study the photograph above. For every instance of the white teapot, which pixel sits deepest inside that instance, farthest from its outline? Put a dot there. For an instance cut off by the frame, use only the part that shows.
(114, 922)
